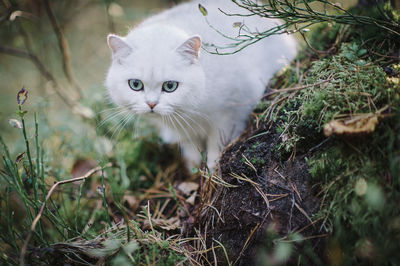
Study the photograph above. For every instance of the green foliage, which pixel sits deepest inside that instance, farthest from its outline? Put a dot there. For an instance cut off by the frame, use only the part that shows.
(301, 15)
(360, 189)
(24, 188)
(347, 84)
(357, 178)
(73, 216)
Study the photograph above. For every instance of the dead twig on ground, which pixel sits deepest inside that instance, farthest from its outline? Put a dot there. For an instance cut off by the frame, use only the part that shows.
(52, 189)
(296, 88)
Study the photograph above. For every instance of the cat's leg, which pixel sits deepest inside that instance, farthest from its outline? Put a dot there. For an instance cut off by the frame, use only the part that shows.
(219, 137)
(192, 154)
(213, 149)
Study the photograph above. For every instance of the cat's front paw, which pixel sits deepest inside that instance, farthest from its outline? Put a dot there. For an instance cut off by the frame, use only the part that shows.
(212, 158)
(192, 155)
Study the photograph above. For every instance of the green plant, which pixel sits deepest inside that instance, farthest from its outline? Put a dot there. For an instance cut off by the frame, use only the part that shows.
(299, 16)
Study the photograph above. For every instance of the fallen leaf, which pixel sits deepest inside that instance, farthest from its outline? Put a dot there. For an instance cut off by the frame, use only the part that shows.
(15, 123)
(166, 224)
(192, 198)
(132, 201)
(82, 166)
(355, 126)
(187, 187)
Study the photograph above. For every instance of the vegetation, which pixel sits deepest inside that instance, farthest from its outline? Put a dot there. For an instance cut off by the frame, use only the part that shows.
(355, 170)
(91, 193)
(43, 214)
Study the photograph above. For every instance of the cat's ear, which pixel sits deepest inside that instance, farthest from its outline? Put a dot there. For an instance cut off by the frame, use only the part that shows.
(190, 49)
(118, 46)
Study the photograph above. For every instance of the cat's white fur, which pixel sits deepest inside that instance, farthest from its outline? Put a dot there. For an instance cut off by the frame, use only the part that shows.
(216, 93)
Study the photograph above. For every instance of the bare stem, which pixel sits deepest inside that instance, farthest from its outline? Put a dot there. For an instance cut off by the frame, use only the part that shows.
(42, 69)
(63, 44)
(296, 88)
(37, 218)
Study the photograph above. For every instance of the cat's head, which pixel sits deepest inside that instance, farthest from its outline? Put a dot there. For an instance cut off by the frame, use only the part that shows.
(155, 69)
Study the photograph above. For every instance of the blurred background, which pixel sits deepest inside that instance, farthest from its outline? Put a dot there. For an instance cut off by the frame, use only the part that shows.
(57, 50)
(64, 81)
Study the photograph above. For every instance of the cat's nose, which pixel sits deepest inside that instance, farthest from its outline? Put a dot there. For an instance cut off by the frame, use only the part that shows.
(151, 104)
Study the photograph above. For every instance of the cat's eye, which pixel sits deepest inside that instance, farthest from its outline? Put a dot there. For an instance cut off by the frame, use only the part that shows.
(170, 86)
(135, 84)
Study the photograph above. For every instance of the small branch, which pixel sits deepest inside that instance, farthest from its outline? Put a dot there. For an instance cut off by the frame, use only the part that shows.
(309, 45)
(42, 69)
(37, 218)
(295, 89)
(75, 106)
(63, 44)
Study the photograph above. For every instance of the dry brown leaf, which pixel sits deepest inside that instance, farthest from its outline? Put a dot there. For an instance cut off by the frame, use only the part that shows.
(132, 201)
(81, 166)
(192, 198)
(166, 224)
(187, 187)
(356, 126)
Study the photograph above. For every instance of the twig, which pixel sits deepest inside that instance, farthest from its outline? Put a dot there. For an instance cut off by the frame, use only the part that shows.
(386, 56)
(309, 45)
(296, 88)
(42, 69)
(247, 242)
(37, 218)
(63, 44)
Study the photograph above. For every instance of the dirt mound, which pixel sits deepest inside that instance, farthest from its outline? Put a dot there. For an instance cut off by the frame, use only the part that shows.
(263, 194)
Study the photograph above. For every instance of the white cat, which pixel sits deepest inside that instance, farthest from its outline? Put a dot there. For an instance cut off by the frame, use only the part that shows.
(198, 99)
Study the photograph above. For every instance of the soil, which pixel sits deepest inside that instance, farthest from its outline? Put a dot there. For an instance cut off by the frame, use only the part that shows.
(275, 197)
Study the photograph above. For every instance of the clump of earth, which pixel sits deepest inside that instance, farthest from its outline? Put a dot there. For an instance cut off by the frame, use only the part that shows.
(263, 194)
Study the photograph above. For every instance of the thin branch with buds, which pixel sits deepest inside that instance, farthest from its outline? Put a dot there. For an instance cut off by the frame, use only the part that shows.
(52, 189)
(63, 44)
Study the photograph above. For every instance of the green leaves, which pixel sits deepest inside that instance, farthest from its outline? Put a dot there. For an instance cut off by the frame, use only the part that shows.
(203, 10)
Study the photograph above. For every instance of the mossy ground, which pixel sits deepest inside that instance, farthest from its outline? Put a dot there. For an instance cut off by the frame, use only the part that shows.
(146, 210)
(356, 176)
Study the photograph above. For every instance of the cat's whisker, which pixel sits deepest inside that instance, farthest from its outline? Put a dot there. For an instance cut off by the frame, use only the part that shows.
(123, 124)
(176, 129)
(164, 122)
(189, 138)
(186, 122)
(112, 116)
(200, 115)
(110, 109)
(117, 125)
(201, 128)
(120, 124)
(118, 108)
(107, 97)
(136, 126)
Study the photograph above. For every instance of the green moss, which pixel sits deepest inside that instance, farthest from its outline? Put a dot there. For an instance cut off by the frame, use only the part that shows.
(346, 84)
(358, 178)
(359, 184)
